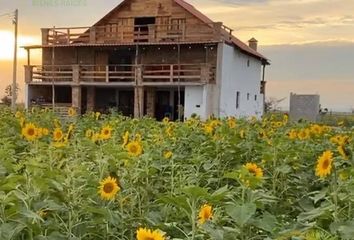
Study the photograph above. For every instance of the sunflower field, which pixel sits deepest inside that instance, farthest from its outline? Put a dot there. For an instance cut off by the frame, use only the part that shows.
(111, 177)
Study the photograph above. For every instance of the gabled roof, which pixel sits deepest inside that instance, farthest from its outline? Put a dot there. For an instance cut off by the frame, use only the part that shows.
(234, 40)
(192, 10)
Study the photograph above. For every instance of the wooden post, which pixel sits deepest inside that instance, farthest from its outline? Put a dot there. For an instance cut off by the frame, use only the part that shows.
(92, 35)
(28, 56)
(138, 93)
(204, 73)
(107, 73)
(217, 31)
(91, 98)
(138, 101)
(14, 79)
(76, 98)
(150, 102)
(45, 35)
(152, 33)
(68, 36)
(28, 74)
(171, 73)
(76, 74)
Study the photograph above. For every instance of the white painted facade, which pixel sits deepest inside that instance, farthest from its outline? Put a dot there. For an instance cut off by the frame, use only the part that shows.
(237, 74)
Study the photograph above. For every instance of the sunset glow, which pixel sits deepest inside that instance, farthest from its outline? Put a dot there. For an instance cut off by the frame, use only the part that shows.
(7, 45)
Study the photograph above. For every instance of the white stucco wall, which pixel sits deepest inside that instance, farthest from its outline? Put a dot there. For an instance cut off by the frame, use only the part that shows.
(236, 75)
(201, 100)
(193, 101)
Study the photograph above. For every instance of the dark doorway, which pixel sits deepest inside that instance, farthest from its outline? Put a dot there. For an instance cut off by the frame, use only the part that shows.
(105, 99)
(120, 58)
(142, 28)
(120, 63)
(126, 103)
(63, 94)
(163, 106)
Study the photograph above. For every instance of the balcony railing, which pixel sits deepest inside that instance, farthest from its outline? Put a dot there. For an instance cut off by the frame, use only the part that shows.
(150, 74)
(154, 33)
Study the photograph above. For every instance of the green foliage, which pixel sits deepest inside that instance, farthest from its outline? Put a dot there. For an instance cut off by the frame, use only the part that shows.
(50, 191)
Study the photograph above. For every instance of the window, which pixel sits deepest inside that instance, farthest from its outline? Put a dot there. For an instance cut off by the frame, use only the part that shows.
(248, 96)
(248, 63)
(255, 97)
(237, 100)
(177, 24)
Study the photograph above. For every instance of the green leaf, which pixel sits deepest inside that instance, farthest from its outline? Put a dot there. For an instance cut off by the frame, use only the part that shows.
(196, 192)
(8, 231)
(267, 222)
(241, 213)
(314, 213)
(346, 229)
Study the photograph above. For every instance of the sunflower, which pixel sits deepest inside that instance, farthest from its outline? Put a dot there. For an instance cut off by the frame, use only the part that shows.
(45, 131)
(316, 129)
(57, 123)
(148, 234)
(242, 134)
(108, 188)
(29, 131)
(205, 213)
(134, 149)
(22, 121)
(58, 135)
(60, 144)
(253, 169)
(303, 134)
(292, 134)
(125, 139)
(208, 129)
(138, 137)
(169, 131)
(106, 133)
(340, 140)
(72, 112)
(18, 114)
(89, 133)
(167, 154)
(97, 115)
(324, 164)
(342, 151)
(165, 120)
(231, 122)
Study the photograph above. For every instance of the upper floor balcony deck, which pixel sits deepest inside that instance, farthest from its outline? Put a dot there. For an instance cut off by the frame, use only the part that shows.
(151, 33)
(121, 75)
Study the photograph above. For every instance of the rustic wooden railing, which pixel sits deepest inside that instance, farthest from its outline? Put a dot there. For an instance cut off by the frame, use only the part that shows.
(149, 74)
(114, 33)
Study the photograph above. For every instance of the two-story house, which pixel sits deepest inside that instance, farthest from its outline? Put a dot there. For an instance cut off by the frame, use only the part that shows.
(149, 57)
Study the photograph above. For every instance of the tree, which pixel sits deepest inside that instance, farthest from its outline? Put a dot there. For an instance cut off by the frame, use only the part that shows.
(8, 95)
(271, 104)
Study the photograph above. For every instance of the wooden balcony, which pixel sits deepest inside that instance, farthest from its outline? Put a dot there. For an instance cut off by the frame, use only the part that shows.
(121, 75)
(116, 34)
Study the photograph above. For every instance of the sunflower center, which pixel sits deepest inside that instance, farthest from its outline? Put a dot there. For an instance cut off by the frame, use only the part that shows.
(108, 187)
(133, 149)
(30, 132)
(106, 132)
(325, 164)
(58, 135)
(252, 171)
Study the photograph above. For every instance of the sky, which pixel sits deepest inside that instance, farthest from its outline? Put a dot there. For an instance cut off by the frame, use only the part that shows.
(310, 42)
